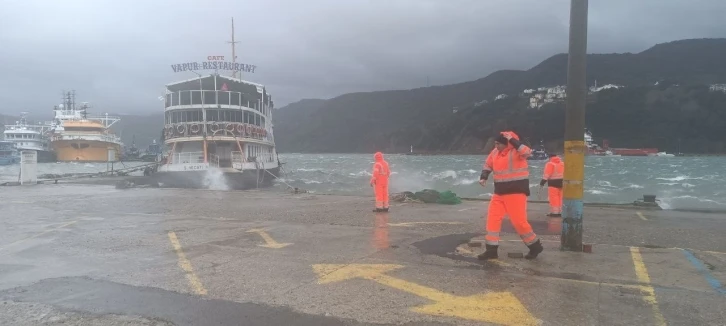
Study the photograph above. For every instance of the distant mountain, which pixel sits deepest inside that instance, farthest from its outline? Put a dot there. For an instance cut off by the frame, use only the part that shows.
(424, 117)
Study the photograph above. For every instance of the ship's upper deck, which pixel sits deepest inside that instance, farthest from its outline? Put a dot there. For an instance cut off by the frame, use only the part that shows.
(217, 89)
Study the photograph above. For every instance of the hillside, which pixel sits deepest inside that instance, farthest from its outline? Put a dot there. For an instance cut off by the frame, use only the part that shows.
(639, 115)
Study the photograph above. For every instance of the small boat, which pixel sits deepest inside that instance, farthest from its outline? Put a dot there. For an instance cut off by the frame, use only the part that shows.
(538, 153)
(664, 154)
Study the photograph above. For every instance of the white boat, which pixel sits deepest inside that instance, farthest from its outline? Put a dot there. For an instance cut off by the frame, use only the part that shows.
(664, 154)
(218, 130)
(31, 137)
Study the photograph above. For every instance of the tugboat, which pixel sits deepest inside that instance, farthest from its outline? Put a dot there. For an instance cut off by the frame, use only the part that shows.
(538, 153)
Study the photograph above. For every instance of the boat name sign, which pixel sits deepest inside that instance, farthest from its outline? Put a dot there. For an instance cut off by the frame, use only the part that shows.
(213, 65)
(196, 166)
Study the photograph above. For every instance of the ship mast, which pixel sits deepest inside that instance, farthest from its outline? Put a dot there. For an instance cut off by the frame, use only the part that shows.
(234, 54)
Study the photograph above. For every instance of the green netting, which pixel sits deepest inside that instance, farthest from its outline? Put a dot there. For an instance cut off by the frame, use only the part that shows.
(448, 198)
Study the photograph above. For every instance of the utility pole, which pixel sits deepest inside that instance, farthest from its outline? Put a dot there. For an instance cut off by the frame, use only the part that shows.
(575, 148)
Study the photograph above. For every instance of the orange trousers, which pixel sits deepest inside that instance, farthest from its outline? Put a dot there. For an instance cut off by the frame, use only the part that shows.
(380, 189)
(514, 205)
(555, 197)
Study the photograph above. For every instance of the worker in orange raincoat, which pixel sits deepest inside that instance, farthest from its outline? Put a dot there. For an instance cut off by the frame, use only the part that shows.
(507, 163)
(379, 182)
(554, 172)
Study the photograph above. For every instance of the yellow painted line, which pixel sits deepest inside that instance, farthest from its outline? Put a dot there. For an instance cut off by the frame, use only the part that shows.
(269, 241)
(641, 273)
(501, 308)
(186, 265)
(422, 223)
(37, 235)
(642, 217)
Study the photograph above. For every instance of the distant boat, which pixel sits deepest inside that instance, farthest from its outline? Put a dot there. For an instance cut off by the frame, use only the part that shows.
(538, 153)
(29, 137)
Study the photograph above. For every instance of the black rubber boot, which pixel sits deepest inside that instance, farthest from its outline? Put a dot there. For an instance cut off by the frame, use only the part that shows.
(534, 250)
(385, 210)
(490, 253)
(377, 210)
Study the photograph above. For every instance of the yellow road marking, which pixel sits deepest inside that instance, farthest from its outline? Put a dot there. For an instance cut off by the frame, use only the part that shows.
(643, 277)
(422, 223)
(642, 217)
(37, 235)
(494, 307)
(186, 265)
(269, 241)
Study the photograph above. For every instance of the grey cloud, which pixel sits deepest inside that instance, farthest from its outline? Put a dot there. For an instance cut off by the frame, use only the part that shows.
(116, 54)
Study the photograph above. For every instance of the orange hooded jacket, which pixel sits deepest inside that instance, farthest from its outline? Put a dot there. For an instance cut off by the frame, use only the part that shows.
(509, 167)
(554, 172)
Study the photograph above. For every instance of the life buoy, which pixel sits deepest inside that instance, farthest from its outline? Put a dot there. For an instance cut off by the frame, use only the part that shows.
(248, 129)
(229, 128)
(214, 127)
(181, 129)
(169, 132)
(240, 128)
(194, 129)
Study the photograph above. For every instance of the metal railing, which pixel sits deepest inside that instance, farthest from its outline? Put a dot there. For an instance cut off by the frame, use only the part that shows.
(194, 97)
(193, 158)
(236, 130)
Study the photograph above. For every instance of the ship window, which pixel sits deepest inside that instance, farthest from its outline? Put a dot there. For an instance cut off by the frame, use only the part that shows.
(186, 98)
(209, 97)
(196, 97)
(167, 103)
(224, 98)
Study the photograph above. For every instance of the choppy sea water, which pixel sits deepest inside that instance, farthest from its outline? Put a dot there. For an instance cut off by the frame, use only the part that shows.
(678, 182)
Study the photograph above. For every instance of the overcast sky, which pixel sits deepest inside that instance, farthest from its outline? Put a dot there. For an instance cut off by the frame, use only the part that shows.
(117, 54)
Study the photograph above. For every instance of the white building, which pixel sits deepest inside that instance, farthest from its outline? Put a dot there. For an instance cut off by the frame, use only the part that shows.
(595, 89)
(480, 103)
(501, 97)
(718, 88)
(529, 91)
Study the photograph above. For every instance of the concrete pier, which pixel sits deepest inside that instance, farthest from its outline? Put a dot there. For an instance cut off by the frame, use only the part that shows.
(96, 255)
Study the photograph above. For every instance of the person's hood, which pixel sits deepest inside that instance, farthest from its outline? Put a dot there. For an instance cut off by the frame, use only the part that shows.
(378, 156)
(555, 159)
(509, 145)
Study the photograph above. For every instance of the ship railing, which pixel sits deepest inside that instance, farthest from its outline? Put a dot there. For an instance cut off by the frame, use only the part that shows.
(198, 97)
(237, 157)
(107, 138)
(236, 130)
(187, 157)
(193, 158)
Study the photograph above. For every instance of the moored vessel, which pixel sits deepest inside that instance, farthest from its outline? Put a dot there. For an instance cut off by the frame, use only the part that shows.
(30, 137)
(218, 129)
(78, 137)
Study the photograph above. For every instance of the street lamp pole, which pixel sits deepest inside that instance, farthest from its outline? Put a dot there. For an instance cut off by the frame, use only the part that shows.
(575, 148)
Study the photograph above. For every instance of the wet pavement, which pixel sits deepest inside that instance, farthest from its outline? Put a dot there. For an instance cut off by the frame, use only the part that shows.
(96, 255)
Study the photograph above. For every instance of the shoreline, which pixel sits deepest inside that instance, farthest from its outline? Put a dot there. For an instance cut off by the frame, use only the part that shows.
(473, 153)
(144, 182)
